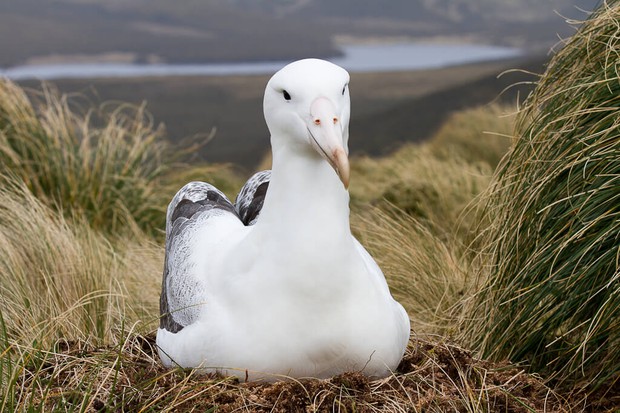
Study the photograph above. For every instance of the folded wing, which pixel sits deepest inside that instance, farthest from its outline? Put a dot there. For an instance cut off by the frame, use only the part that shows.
(183, 290)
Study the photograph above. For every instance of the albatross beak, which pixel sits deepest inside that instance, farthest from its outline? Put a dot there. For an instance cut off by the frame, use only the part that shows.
(326, 137)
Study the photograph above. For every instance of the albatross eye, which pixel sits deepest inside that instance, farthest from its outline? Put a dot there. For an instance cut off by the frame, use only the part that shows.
(344, 89)
(286, 95)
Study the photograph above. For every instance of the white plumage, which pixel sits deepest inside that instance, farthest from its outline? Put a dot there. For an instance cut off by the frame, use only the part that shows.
(276, 284)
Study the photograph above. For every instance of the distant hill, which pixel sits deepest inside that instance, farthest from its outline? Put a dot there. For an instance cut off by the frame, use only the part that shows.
(389, 109)
(229, 30)
(531, 24)
(150, 30)
(464, 11)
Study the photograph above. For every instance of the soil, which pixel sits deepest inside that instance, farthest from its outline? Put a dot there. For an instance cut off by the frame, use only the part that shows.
(434, 376)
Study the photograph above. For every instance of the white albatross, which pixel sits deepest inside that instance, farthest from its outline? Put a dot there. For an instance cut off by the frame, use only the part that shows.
(276, 285)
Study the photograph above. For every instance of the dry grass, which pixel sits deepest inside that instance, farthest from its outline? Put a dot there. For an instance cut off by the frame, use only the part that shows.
(76, 300)
(436, 191)
(111, 166)
(433, 377)
(438, 181)
(62, 279)
(483, 134)
(425, 273)
(106, 173)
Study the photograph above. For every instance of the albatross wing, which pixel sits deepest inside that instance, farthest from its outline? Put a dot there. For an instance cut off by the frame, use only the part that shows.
(189, 212)
(196, 205)
(250, 200)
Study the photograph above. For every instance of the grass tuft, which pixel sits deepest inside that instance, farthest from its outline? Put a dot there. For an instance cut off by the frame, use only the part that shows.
(107, 173)
(436, 192)
(62, 279)
(552, 296)
(81, 209)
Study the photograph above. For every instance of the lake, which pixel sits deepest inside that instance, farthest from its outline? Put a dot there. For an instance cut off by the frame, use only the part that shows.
(357, 58)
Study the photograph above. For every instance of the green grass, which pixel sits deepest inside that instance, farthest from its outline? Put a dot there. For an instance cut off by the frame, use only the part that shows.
(551, 295)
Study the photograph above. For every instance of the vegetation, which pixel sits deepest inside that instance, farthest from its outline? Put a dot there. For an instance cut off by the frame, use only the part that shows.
(110, 166)
(231, 105)
(552, 294)
(436, 181)
(106, 173)
(415, 212)
(78, 298)
(518, 264)
(433, 377)
(63, 280)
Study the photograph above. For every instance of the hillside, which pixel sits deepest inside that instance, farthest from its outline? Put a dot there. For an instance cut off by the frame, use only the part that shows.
(217, 30)
(381, 120)
(80, 280)
(149, 32)
(463, 11)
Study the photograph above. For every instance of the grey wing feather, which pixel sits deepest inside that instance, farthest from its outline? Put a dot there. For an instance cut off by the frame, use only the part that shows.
(250, 200)
(192, 202)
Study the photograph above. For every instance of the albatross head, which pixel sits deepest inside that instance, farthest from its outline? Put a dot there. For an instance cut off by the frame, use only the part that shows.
(307, 106)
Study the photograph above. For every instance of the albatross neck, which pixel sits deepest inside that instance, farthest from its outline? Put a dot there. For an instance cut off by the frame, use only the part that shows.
(305, 194)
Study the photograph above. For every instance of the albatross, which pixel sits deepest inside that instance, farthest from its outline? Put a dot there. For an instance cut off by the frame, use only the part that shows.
(275, 285)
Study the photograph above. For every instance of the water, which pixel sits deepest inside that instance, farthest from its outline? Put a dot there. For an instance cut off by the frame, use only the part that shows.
(357, 58)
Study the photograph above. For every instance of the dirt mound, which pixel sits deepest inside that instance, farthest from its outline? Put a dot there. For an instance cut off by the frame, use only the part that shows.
(433, 376)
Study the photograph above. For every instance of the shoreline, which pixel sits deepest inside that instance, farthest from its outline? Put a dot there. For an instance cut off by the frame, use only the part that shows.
(361, 57)
(339, 41)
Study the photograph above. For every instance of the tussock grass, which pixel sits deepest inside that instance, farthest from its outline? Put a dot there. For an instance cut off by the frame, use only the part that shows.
(62, 279)
(552, 296)
(107, 173)
(437, 192)
(424, 272)
(80, 280)
(111, 166)
(438, 181)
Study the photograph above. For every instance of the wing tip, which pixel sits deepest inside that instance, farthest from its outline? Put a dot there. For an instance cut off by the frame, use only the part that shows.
(249, 202)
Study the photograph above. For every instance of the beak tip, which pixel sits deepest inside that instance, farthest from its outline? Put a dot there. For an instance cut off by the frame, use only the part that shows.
(341, 165)
(343, 174)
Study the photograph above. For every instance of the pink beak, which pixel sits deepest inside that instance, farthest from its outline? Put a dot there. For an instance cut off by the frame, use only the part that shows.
(326, 137)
